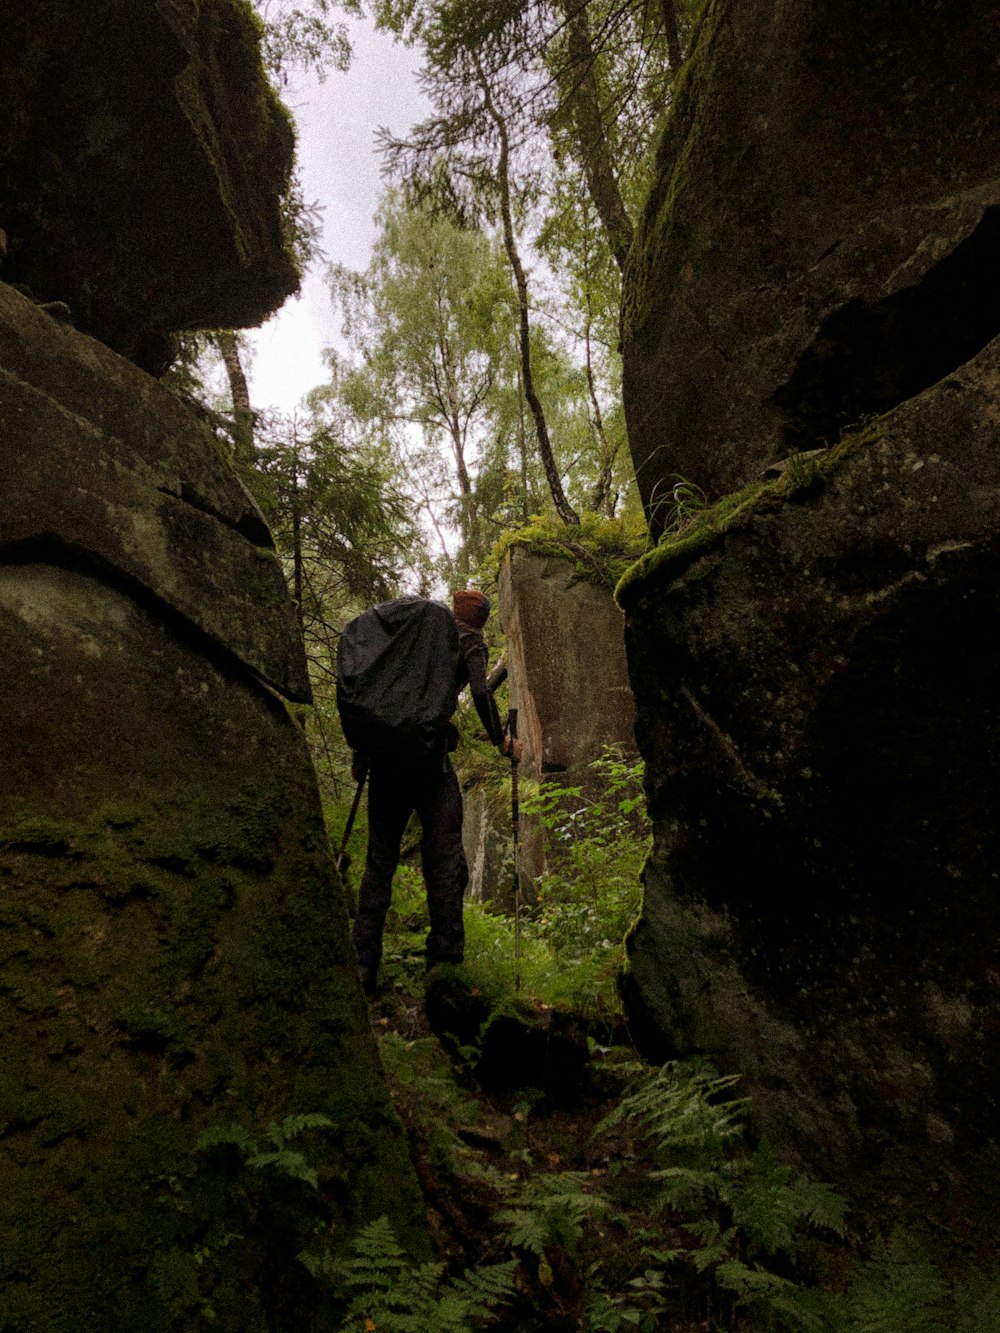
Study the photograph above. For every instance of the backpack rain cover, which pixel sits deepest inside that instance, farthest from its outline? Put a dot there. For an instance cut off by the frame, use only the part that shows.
(397, 670)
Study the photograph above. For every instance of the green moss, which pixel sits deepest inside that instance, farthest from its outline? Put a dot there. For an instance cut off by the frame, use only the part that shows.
(266, 130)
(694, 534)
(601, 549)
(214, 990)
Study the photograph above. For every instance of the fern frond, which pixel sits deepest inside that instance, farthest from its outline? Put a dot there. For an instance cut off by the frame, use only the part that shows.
(673, 1110)
(551, 1210)
(899, 1278)
(226, 1136)
(716, 1244)
(291, 1164)
(482, 1289)
(295, 1124)
(685, 1186)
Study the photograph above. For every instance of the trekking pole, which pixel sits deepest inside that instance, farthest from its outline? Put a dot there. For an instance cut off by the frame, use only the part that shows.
(515, 819)
(339, 861)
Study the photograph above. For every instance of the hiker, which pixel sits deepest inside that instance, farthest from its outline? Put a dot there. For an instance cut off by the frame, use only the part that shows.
(401, 782)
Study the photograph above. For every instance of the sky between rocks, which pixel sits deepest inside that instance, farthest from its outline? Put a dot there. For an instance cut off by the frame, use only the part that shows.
(336, 121)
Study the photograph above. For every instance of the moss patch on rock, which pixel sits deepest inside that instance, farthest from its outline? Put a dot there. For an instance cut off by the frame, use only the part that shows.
(600, 549)
(175, 959)
(694, 533)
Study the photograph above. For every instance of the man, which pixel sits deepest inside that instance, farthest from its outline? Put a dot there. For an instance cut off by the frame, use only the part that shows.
(430, 787)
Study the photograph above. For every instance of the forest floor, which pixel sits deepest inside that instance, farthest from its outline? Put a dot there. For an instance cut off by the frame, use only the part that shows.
(603, 1194)
(514, 1169)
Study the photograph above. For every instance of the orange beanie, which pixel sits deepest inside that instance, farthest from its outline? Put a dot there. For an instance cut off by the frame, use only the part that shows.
(471, 608)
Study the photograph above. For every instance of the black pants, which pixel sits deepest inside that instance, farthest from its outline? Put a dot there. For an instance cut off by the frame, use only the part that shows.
(393, 795)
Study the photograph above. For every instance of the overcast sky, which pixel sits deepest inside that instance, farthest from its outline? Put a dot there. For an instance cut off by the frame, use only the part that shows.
(336, 121)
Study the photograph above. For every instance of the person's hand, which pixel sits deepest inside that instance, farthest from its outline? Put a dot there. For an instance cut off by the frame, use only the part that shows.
(514, 749)
(359, 769)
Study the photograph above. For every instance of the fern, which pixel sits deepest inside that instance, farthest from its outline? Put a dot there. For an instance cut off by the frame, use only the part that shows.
(672, 1110)
(899, 1279)
(551, 1210)
(290, 1164)
(383, 1290)
(293, 1125)
(293, 1165)
(770, 1207)
(740, 1209)
(226, 1136)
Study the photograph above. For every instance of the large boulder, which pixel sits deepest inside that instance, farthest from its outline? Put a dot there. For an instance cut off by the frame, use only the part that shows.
(142, 159)
(811, 655)
(819, 241)
(568, 677)
(176, 958)
(566, 662)
(816, 684)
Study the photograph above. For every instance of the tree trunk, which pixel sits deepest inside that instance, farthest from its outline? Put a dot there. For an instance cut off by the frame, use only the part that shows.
(563, 507)
(601, 498)
(579, 84)
(522, 451)
(243, 423)
(674, 53)
(298, 582)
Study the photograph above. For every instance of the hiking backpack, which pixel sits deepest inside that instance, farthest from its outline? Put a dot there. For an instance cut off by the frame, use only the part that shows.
(397, 673)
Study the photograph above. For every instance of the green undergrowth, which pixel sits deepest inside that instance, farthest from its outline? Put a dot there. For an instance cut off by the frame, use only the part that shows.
(641, 1201)
(491, 957)
(649, 1206)
(693, 526)
(567, 949)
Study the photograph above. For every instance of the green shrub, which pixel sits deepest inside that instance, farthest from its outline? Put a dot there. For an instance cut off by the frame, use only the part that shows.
(597, 843)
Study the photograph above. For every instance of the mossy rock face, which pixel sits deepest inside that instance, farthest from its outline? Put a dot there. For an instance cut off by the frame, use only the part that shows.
(818, 243)
(141, 167)
(817, 708)
(175, 954)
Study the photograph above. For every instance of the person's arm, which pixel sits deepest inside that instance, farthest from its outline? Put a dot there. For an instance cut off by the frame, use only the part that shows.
(476, 659)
